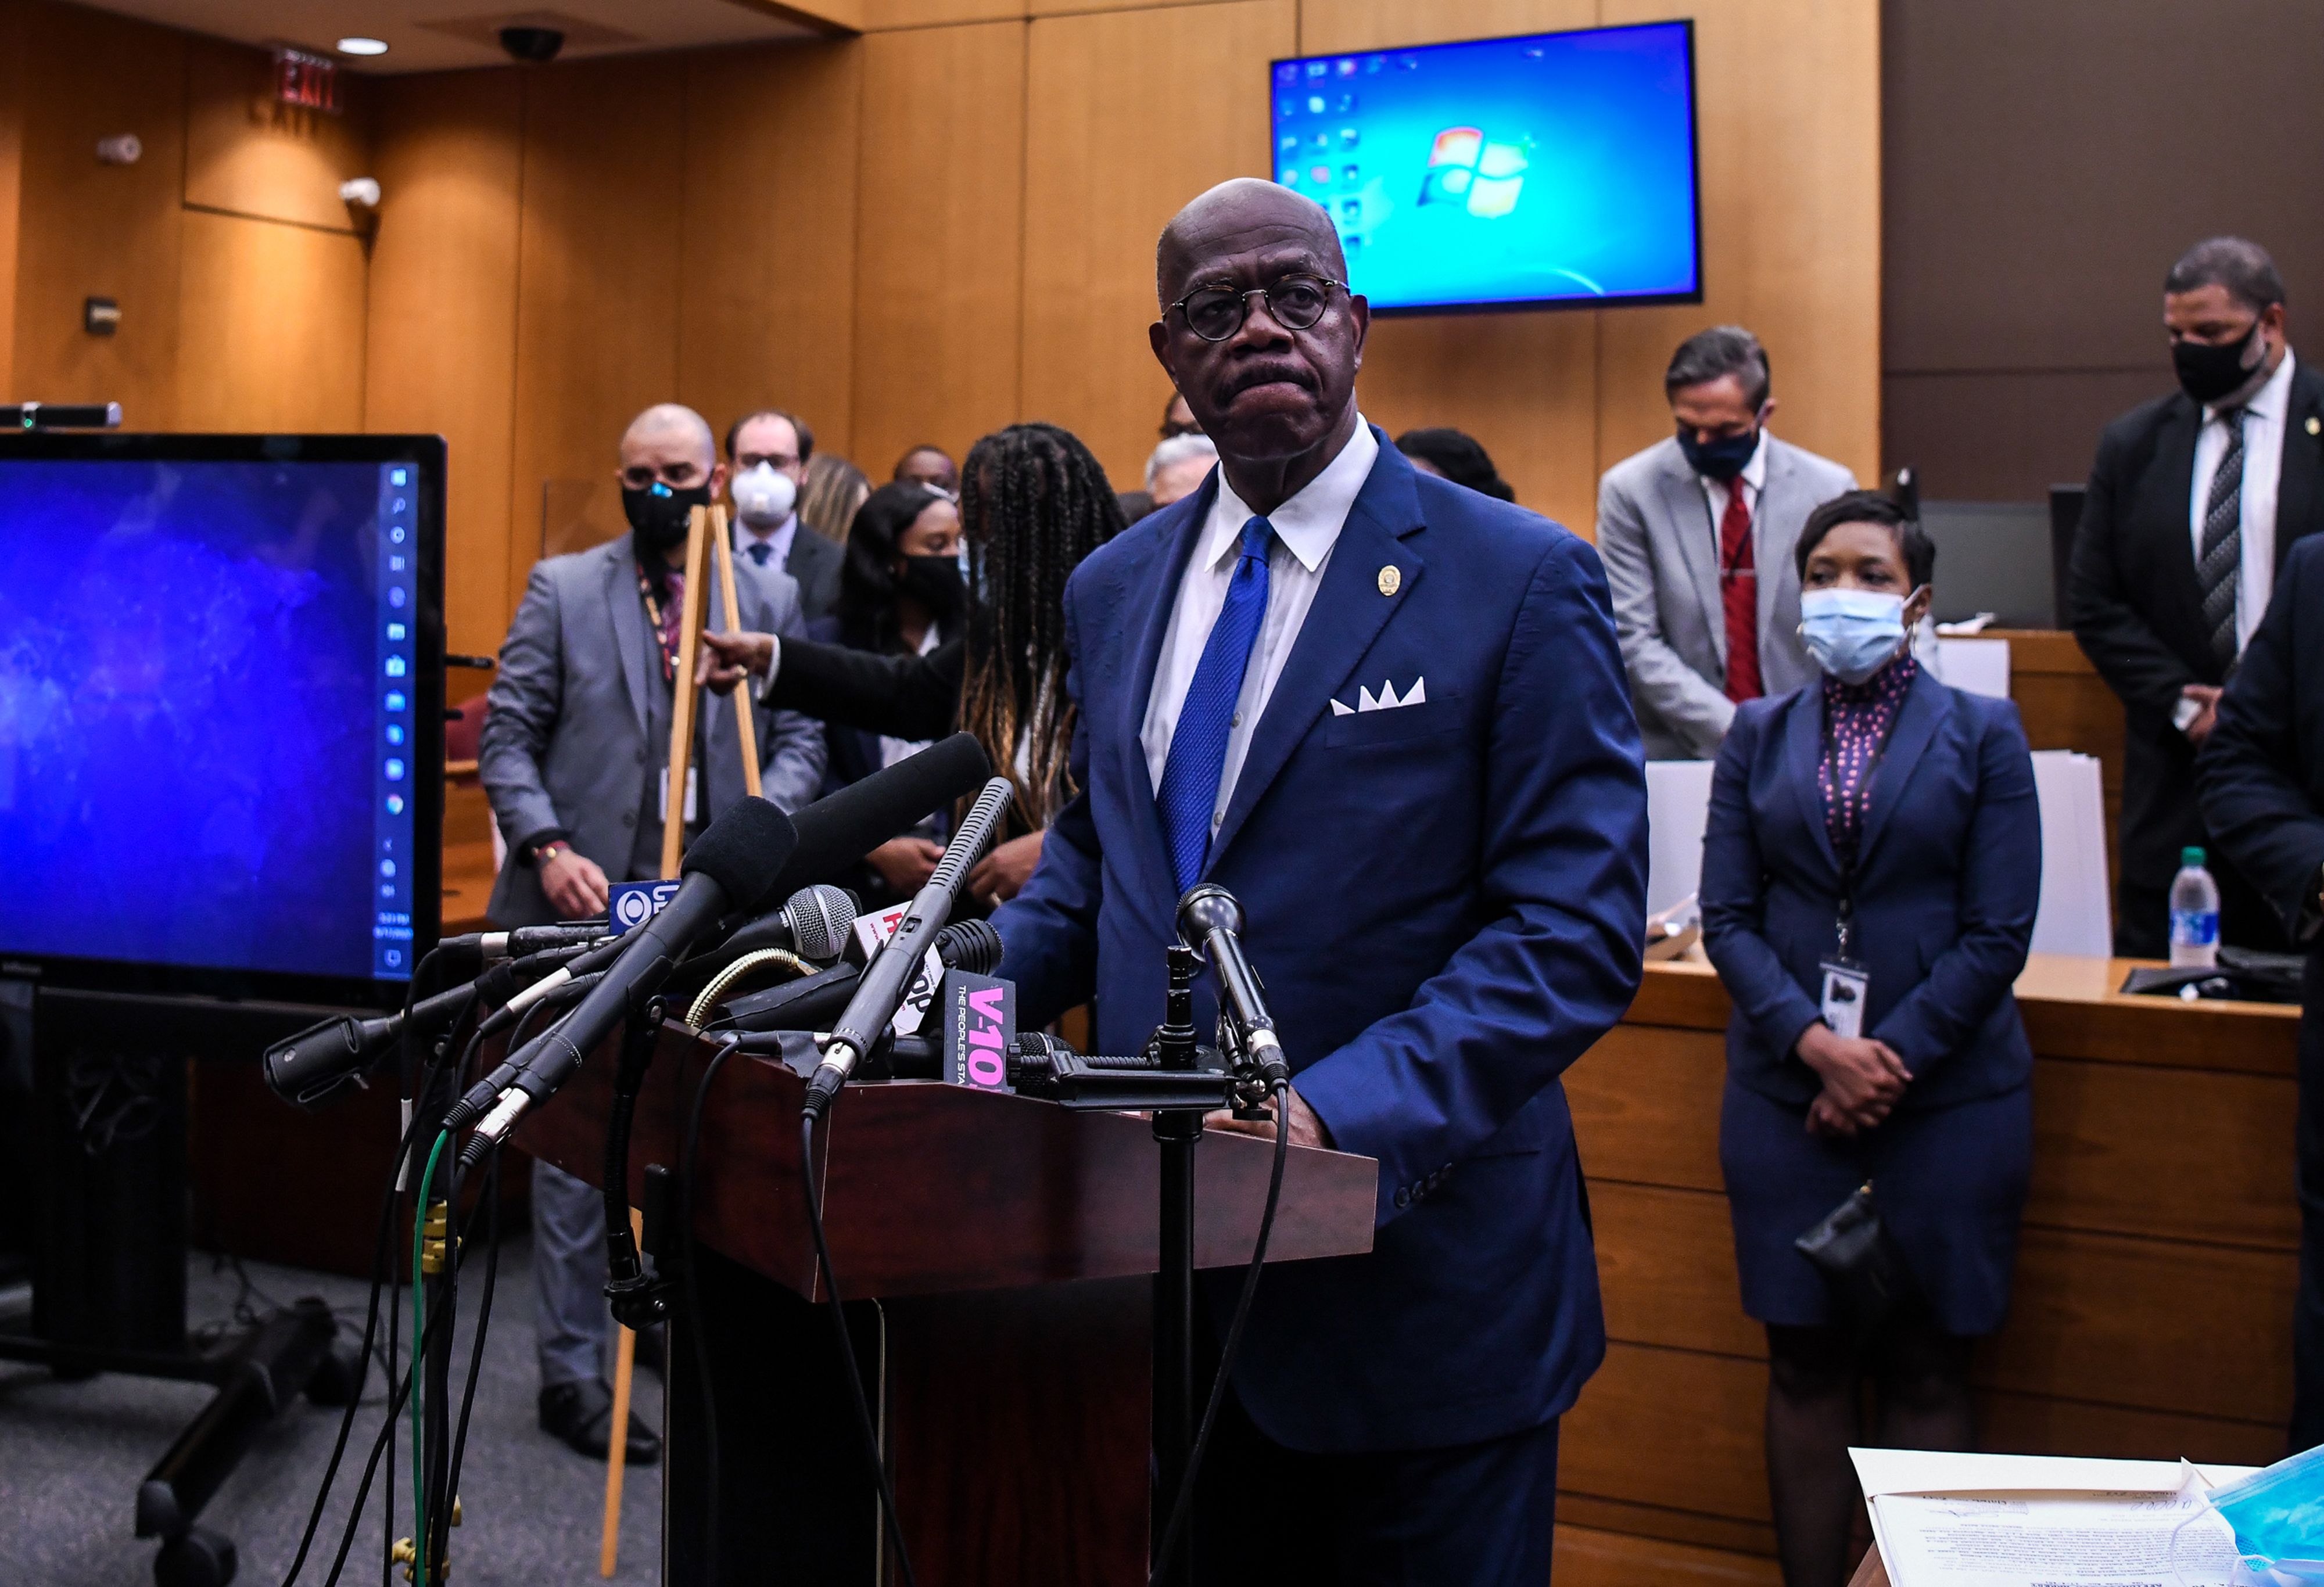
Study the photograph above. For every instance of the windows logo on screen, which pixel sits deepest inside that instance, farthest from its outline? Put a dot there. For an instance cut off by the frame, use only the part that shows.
(1483, 178)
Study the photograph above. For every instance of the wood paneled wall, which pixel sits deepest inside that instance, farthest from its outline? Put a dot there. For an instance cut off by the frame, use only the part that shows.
(947, 225)
(240, 274)
(917, 234)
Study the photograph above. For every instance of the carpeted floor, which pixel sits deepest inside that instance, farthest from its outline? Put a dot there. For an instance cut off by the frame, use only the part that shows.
(71, 1455)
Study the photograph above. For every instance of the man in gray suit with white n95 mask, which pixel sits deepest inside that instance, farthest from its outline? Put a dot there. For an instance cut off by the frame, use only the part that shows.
(1696, 532)
(574, 756)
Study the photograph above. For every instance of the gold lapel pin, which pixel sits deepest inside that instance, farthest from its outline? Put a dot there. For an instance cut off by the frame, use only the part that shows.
(2315, 424)
(1390, 579)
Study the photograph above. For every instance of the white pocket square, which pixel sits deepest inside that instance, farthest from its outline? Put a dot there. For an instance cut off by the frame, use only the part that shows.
(1386, 700)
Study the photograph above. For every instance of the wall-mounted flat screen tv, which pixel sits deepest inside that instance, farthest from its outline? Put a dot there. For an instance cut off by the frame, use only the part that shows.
(1545, 170)
(221, 712)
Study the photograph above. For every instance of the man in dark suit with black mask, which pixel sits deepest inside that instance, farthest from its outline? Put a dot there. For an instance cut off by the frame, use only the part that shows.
(2194, 502)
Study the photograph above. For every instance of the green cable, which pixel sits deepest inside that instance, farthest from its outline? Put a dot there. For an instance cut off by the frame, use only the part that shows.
(418, 1350)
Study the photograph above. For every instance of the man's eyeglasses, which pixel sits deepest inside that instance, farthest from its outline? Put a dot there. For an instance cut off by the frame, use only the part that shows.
(1295, 302)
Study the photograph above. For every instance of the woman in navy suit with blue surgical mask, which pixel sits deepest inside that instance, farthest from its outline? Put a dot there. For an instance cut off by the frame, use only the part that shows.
(1870, 877)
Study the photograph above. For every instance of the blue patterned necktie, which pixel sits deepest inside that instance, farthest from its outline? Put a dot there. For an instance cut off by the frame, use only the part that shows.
(761, 551)
(1198, 748)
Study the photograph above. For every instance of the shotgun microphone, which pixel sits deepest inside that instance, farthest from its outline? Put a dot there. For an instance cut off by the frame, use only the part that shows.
(1211, 920)
(885, 980)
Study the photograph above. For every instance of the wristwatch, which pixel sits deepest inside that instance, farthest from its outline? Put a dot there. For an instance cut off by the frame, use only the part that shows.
(542, 853)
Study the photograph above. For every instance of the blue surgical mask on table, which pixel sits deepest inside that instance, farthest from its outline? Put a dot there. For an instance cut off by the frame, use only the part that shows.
(2278, 1516)
(1851, 633)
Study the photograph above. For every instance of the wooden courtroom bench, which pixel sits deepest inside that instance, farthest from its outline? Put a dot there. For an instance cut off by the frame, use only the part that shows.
(2153, 1308)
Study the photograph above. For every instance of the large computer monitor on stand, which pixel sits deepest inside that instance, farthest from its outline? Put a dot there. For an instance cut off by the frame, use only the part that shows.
(221, 792)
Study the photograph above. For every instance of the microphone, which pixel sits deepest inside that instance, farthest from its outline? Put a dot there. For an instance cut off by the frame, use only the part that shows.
(311, 1069)
(486, 946)
(1210, 919)
(314, 1068)
(734, 863)
(836, 832)
(973, 946)
(880, 992)
(813, 923)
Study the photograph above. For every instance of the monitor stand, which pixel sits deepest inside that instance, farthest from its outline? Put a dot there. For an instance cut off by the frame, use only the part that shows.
(107, 1112)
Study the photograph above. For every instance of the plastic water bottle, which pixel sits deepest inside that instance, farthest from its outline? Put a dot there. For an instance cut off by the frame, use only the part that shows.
(2194, 914)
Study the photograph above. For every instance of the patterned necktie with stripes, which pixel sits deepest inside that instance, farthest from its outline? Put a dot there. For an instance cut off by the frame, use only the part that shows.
(2216, 570)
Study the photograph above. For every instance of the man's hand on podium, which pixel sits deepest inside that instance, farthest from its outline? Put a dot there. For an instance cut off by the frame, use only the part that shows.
(1306, 1128)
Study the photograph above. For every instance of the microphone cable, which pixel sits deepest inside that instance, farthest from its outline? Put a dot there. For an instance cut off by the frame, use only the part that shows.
(689, 1153)
(379, 1267)
(418, 1356)
(492, 1200)
(387, 1430)
(847, 1353)
(1183, 1503)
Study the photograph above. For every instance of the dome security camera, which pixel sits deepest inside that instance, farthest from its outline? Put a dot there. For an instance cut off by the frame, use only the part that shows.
(532, 44)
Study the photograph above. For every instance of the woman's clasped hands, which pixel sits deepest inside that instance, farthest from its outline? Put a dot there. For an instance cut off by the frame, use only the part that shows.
(1862, 1080)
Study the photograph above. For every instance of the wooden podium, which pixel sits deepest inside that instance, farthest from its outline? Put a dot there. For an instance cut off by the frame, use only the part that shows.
(995, 1252)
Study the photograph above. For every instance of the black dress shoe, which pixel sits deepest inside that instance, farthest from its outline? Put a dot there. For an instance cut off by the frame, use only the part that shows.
(581, 1415)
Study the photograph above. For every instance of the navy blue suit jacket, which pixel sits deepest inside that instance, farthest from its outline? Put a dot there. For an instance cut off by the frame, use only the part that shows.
(1949, 877)
(2262, 770)
(1446, 901)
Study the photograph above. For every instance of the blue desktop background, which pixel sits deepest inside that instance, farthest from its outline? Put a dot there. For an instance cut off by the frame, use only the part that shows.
(1580, 184)
(187, 713)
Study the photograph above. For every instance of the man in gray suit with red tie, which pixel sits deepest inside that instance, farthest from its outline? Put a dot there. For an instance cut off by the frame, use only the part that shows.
(1696, 533)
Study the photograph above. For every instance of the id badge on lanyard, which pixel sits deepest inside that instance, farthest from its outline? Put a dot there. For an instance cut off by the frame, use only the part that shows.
(1847, 982)
(1846, 985)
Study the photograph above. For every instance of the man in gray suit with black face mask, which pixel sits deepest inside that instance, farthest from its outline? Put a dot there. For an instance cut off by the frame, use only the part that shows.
(574, 756)
(1696, 533)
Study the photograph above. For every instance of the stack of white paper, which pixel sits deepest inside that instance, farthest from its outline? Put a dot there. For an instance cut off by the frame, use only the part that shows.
(2073, 917)
(2008, 1520)
(1678, 808)
(1977, 666)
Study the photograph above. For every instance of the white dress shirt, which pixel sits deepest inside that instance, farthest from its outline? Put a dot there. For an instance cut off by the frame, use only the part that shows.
(2262, 471)
(780, 537)
(1306, 528)
(1754, 478)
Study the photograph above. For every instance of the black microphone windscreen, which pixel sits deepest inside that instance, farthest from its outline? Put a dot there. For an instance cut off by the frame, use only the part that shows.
(834, 832)
(743, 850)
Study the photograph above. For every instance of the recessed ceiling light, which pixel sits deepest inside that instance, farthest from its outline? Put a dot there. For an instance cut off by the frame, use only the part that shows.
(363, 46)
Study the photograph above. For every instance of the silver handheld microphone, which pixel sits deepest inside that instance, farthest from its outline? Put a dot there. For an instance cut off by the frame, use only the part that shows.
(1210, 919)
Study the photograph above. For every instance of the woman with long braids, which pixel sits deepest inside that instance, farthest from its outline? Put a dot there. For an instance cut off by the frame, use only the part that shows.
(1034, 503)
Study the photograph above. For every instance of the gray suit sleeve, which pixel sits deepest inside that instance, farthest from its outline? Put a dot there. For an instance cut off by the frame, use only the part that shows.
(791, 750)
(1660, 678)
(527, 696)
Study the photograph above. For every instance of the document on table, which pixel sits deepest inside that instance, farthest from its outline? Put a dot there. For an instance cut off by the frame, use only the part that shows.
(2054, 1540)
(2017, 1521)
